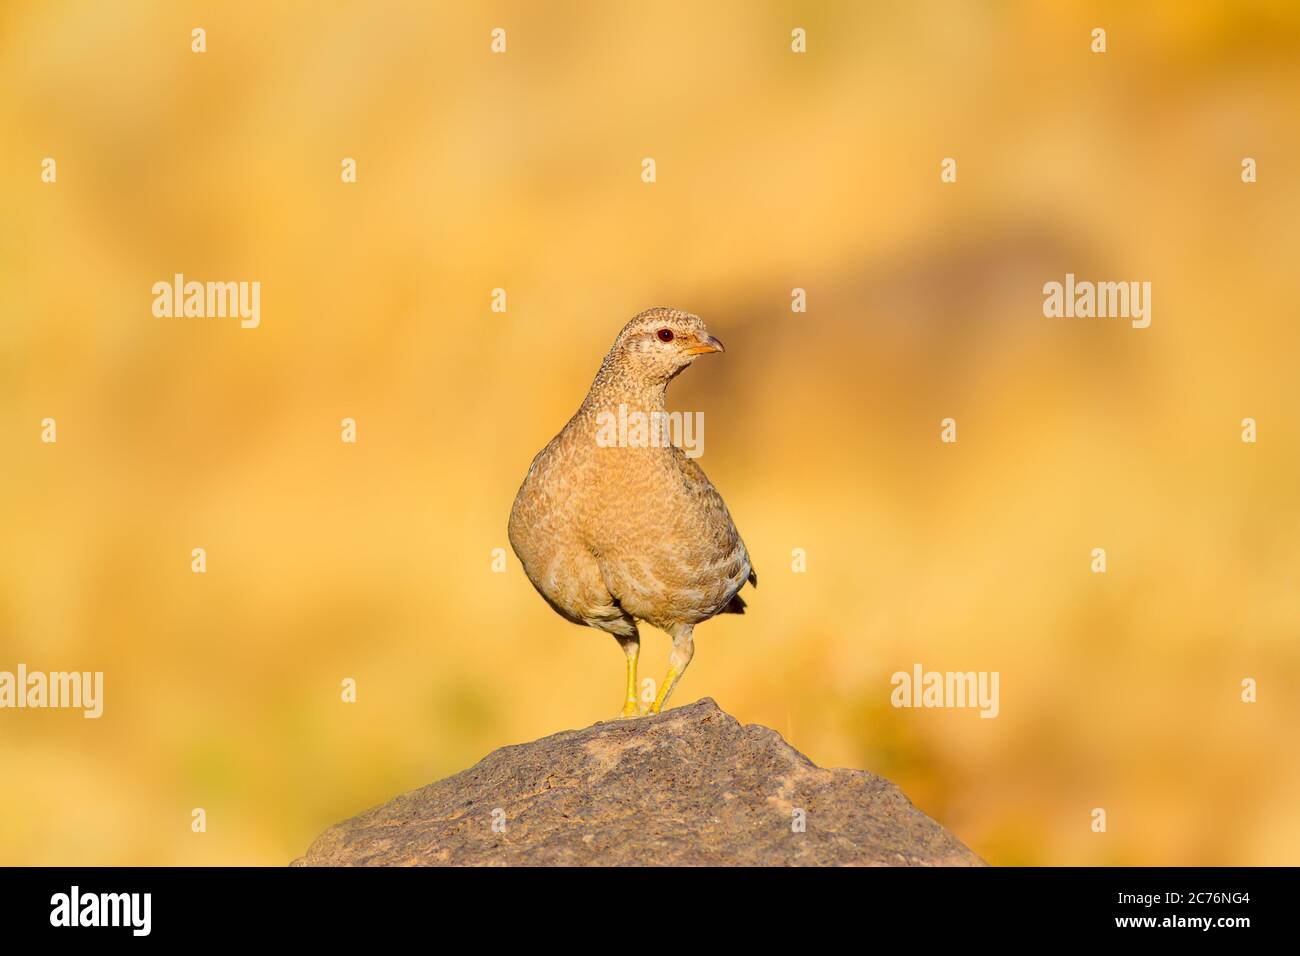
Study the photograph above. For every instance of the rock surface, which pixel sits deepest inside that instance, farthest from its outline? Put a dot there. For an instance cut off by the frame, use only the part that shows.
(688, 787)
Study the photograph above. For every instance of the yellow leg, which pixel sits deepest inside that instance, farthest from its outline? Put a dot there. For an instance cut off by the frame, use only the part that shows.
(632, 648)
(665, 689)
(683, 651)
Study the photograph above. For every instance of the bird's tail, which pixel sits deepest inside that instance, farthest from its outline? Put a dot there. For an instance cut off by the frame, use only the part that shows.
(735, 606)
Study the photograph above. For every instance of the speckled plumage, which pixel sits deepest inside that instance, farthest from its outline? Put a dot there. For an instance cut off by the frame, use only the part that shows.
(613, 535)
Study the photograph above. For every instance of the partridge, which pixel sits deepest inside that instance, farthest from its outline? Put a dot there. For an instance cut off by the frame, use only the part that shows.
(615, 532)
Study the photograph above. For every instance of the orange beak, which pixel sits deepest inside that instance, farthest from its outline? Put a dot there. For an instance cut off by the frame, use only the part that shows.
(710, 344)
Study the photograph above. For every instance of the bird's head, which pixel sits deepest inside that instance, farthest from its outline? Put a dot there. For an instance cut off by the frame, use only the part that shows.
(659, 343)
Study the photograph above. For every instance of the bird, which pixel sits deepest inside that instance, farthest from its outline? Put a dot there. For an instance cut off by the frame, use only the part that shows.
(612, 533)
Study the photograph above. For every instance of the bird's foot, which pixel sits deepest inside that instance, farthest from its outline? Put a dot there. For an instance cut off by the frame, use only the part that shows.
(630, 709)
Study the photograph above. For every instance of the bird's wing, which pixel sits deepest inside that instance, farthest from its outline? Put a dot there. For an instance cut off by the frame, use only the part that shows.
(733, 556)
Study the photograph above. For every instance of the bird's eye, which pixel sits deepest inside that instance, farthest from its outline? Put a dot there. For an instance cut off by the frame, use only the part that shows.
(665, 335)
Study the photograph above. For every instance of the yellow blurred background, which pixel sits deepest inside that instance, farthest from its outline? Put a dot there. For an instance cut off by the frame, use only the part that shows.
(775, 171)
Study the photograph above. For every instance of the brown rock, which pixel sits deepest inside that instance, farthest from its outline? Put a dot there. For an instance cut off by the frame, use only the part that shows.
(688, 787)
